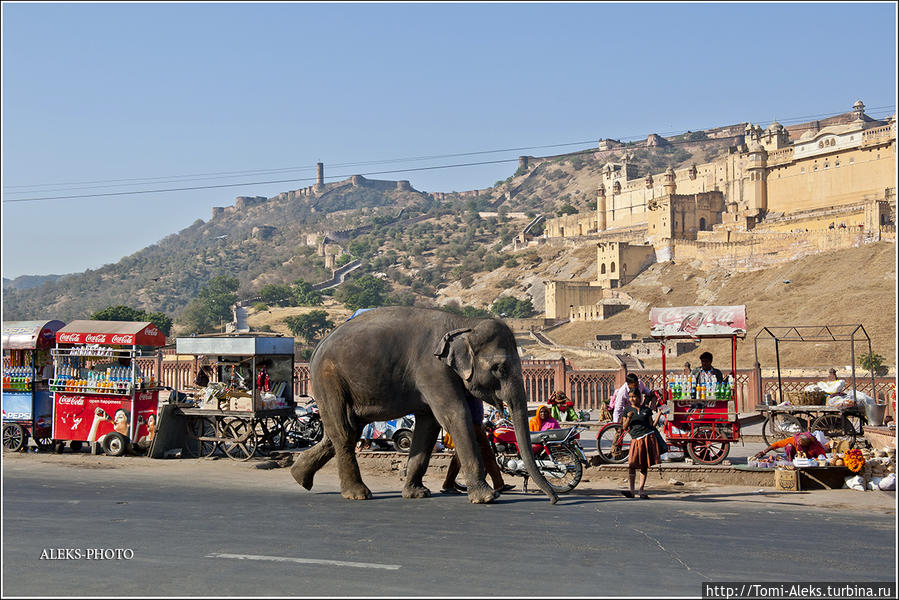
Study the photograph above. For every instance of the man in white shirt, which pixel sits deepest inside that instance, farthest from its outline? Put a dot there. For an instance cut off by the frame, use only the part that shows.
(619, 398)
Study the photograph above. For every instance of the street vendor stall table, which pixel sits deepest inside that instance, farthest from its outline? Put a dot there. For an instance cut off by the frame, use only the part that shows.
(245, 409)
(99, 394)
(27, 405)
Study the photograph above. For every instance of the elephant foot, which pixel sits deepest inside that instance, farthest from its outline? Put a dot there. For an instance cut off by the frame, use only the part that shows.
(416, 491)
(302, 475)
(481, 494)
(356, 492)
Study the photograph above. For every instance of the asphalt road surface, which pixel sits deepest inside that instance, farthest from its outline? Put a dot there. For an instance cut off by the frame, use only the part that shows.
(221, 528)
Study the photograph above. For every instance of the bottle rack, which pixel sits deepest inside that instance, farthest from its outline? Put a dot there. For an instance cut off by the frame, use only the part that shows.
(58, 385)
(122, 385)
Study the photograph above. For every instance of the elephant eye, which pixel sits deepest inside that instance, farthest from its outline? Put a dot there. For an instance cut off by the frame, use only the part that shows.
(500, 369)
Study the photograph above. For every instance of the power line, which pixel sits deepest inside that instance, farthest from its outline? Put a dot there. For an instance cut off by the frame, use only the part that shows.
(383, 161)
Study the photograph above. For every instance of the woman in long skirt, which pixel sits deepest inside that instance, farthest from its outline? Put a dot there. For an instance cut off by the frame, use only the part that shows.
(640, 423)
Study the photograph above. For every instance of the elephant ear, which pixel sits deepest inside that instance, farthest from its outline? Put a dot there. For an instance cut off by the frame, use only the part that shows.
(455, 351)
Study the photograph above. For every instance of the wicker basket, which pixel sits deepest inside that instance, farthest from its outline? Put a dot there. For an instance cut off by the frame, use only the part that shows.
(803, 398)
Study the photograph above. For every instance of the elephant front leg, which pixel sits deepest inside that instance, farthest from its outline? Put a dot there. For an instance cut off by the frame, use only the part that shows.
(457, 420)
(423, 439)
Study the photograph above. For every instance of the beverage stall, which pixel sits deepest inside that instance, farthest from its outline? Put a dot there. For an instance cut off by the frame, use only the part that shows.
(100, 396)
(702, 412)
(27, 369)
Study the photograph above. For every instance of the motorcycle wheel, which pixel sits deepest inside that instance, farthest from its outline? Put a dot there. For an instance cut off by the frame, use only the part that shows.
(568, 474)
(605, 440)
(402, 441)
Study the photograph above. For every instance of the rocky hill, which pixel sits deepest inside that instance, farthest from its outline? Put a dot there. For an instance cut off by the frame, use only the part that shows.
(439, 247)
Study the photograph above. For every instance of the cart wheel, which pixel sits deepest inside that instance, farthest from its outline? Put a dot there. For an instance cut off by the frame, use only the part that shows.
(59, 446)
(778, 426)
(241, 439)
(270, 434)
(611, 449)
(402, 441)
(75, 446)
(707, 448)
(44, 444)
(14, 437)
(198, 427)
(115, 444)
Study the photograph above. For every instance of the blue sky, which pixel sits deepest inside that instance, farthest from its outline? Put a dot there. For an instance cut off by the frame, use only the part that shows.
(105, 92)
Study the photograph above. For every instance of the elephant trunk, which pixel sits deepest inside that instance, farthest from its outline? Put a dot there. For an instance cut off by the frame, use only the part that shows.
(518, 407)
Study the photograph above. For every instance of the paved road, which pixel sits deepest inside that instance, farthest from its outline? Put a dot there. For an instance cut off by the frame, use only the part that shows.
(223, 528)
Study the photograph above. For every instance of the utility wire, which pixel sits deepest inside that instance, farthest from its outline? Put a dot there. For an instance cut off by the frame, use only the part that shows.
(407, 170)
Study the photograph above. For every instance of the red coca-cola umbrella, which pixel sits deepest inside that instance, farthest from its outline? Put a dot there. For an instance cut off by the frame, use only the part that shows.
(125, 333)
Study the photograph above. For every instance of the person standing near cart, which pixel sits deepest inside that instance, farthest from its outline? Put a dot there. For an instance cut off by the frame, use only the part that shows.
(620, 397)
(706, 372)
(641, 423)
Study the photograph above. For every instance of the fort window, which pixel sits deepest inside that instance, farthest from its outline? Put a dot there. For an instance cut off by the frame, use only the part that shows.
(826, 166)
(836, 163)
(602, 269)
(852, 160)
(702, 224)
(612, 269)
(802, 170)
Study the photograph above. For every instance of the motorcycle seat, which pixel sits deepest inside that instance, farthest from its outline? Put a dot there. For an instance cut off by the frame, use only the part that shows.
(550, 435)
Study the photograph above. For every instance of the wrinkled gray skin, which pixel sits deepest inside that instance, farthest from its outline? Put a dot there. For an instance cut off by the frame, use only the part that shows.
(389, 362)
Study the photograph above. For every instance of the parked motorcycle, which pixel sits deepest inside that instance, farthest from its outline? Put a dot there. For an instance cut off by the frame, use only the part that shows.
(304, 428)
(393, 434)
(559, 456)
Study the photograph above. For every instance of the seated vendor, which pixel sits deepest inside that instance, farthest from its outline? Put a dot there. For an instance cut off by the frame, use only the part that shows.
(798, 445)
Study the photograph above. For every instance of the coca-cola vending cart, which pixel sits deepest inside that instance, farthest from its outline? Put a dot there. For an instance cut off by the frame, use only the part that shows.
(27, 406)
(100, 396)
(702, 414)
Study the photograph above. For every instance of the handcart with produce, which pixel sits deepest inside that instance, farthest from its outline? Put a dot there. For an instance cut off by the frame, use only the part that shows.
(244, 409)
(27, 370)
(839, 414)
(100, 395)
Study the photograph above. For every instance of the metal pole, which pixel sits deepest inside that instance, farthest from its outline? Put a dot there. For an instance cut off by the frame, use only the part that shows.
(665, 392)
(780, 387)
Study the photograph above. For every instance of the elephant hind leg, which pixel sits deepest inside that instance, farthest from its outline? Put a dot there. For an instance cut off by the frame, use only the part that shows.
(309, 462)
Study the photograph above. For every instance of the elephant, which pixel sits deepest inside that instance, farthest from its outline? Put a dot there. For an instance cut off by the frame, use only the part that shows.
(392, 361)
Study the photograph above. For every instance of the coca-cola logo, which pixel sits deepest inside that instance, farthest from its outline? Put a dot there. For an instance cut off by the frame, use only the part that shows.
(145, 396)
(71, 400)
(95, 338)
(152, 331)
(122, 339)
(69, 337)
(690, 319)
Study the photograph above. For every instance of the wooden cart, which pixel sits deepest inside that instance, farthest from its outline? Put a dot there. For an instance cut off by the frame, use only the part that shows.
(239, 434)
(239, 421)
(835, 422)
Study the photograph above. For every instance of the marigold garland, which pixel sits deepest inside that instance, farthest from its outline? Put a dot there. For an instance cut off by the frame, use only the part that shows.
(854, 460)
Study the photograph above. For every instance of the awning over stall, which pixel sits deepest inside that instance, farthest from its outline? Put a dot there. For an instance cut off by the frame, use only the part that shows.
(234, 346)
(698, 321)
(126, 333)
(30, 335)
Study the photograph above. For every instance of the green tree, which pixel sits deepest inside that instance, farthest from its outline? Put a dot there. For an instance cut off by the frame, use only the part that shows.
(507, 306)
(309, 325)
(126, 313)
(276, 294)
(366, 291)
(212, 306)
(304, 294)
(872, 362)
(567, 209)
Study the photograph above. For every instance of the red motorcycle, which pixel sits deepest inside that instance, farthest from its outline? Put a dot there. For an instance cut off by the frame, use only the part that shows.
(560, 459)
